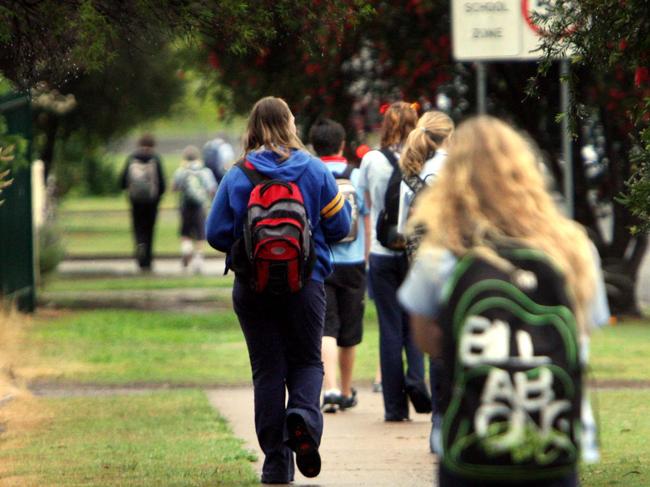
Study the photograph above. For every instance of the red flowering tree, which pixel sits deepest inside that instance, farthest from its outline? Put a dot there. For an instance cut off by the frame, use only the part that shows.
(342, 60)
(611, 83)
(345, 60)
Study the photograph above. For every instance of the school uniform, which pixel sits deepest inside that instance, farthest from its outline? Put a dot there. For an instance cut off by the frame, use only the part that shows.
(345, 288)
(283, 334)
(387, 269)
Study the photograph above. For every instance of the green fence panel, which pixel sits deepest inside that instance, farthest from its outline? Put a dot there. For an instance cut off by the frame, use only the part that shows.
(16, 229)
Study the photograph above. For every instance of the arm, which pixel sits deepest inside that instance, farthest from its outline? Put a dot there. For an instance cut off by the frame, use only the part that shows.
(367, 235)
(427, 335)
(124, 178)
(421, 296)
(161, 177)
(220, 225)
(177, 180)
(335, 211)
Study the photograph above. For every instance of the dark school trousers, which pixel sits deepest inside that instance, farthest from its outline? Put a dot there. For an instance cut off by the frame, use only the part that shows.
(143, 219)
(283, 335)
(386, 274)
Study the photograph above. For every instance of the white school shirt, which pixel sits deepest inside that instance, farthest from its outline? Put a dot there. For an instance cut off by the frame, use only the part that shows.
(375, 171)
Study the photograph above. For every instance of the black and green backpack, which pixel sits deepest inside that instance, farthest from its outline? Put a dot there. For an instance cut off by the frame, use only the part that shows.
(512, 400)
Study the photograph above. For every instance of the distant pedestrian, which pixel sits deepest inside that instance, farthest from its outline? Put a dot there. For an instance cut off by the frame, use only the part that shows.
(380, 177)
(218, 156)
(144, 181)
(505, 289)
(197, 187)
(345, 288)
(275, 214)
(423, 157)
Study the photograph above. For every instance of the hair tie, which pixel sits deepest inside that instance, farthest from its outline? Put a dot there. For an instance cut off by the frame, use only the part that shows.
(384, 108)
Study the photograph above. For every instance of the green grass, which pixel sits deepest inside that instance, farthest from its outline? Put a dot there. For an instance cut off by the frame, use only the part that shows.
(138, 283)
(621, 352)
(120, 347)
(624, 429)
(109, 233)
(165, 438)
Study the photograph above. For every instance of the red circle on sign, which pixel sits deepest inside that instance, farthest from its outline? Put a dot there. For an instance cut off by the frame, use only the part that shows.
(525, 11)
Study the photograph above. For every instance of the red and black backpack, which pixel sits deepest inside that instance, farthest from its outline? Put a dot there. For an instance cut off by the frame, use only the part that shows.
(277, 236)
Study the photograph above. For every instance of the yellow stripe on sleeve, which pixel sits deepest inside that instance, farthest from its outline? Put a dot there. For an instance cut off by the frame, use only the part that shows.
(336, 208)
(335, 201)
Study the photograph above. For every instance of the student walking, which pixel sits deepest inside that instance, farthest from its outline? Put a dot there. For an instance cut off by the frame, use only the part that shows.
(345, 288)
(505, 289)
(380, 178)
(218, 155)
(274, 215)
(144, 181)
(197, 187)
(422, 159)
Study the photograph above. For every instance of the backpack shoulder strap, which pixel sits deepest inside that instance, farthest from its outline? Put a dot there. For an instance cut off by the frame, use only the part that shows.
(415, 183)
(253, 175)
(346, 173)
(390, 155)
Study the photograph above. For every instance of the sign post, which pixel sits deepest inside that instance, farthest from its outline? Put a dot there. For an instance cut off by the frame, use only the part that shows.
(505, 30)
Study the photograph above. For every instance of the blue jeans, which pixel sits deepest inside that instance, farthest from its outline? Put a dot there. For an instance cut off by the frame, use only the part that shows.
(386, 274)
(283, 335)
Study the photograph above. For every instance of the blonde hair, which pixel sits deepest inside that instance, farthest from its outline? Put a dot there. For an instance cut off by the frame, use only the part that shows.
(270, 125)
(431, 132)
(399, 120)
(491, 188)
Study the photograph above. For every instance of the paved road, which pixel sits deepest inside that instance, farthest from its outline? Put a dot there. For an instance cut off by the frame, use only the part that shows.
(213, 266)
(358, 447)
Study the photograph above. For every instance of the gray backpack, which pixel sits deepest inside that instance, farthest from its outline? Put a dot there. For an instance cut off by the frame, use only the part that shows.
(143, 184)
(195, 193)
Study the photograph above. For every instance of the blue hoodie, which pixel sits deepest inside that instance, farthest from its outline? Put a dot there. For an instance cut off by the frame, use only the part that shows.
(327, 210)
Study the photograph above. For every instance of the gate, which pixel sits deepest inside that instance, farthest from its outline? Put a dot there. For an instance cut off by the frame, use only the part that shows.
(16, 230)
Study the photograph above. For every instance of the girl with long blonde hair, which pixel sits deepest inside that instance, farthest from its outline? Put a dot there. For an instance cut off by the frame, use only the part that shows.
(422, 159)
(490, 194)
(423, 156)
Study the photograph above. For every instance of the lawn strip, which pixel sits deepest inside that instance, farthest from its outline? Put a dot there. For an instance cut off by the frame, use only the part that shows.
(161, 438)
(624, 426)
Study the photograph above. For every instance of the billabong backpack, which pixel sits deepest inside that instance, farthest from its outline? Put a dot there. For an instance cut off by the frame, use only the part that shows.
(277, 235)
(386, 226)
(194, 191)
(349, 192)
(416, 184)
(512, 408)
(142, 181)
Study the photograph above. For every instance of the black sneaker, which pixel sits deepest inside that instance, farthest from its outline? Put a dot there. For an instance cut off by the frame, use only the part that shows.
(420, 398)
(330, 402)
(300, 441)
(347, 402)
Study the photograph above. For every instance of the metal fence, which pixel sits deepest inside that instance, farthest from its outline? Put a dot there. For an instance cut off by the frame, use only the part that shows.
(17, 280)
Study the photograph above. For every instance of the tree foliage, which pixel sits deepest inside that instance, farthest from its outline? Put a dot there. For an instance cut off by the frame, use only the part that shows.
(401, 50)
(54, 40)
(610, 51)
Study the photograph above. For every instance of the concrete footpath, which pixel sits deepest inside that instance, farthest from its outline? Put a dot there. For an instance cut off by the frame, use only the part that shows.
(358, 447)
